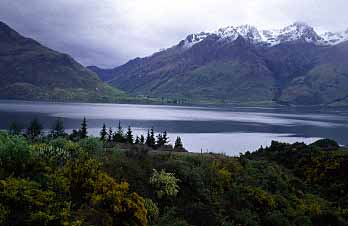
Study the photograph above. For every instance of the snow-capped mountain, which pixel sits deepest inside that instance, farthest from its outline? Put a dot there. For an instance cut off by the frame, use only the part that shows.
(296, 32)
(194, 39)
(333, 38)
(293, 65)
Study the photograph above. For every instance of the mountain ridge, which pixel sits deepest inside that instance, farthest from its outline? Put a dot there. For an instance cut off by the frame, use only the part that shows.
(293, 32)
(229, 67)
(31, 71)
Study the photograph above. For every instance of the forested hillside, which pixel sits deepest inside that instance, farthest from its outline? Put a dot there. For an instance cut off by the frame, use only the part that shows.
(61, 179)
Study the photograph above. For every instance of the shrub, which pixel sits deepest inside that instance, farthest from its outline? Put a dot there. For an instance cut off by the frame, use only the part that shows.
(92, 145)
(165, 184)
(105, 202)
(152, 210)
(35, 206)
(15, 152)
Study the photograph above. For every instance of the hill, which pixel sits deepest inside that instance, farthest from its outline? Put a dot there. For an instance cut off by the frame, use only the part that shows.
(293, 65)
(31, 71)
(87, 181)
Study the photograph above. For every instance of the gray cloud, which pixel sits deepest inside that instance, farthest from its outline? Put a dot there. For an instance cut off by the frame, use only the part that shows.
(110, 32)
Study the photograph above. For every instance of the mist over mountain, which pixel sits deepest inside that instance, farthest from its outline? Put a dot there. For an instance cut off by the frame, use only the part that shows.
(293, 65)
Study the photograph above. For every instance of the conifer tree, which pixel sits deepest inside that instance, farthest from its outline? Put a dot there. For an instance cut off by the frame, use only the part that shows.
(129, 136)
(137, 140)
(148, 138)
(159, 141)
(165, 138)
(110, 134)
(152, 142)
(35, 129)
(103, 133)
(119, 134)
(178, 143)
(83, 130)
(58, 129)
(162, 139)
(142, 139)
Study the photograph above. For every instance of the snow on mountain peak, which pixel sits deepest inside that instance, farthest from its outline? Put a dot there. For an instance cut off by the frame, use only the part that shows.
(229, 33)
(334, 38)
(297, 31)
(193, 39)
(250, 33)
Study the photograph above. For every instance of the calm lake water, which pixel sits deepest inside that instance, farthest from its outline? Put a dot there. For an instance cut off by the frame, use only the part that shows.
(230, 130)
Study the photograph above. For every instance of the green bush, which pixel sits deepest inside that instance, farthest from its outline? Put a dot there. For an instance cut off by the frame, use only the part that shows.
(92, 145)
(165, 184)
(152, 210)
(26, 203)
(15, 153)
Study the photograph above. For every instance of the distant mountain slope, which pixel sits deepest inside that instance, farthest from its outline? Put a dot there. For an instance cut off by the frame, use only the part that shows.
(31, 71)
(293, 65)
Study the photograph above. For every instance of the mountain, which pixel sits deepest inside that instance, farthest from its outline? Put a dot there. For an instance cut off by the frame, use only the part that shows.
(31, 71)
(293, 65)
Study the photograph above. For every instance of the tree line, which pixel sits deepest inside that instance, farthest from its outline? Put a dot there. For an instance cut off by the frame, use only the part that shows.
(34, 131)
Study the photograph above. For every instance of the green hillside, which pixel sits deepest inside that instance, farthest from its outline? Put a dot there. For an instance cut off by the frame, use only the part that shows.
(30, 71)
(64, 179)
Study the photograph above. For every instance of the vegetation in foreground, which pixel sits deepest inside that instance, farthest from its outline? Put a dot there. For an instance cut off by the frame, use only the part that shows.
(80, 180)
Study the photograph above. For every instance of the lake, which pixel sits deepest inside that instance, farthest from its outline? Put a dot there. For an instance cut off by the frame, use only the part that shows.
(226, 129)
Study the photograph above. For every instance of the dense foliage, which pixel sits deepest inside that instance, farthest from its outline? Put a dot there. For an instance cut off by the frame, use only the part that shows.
(62, 180)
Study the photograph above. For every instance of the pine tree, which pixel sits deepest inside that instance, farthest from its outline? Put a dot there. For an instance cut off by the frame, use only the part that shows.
(152, 142)
(14, 129)
(178, 143)
(58, 129)
(142, 139)
(83, 130)
(35, 129)
(129, 136)
(110, 134)
(159, 140)
(148, 138)
(119, 134)
(103, 133)
(165, 138)
(162, 139)
(137, 140)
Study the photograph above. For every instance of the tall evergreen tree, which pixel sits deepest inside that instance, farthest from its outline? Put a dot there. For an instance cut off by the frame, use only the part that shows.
(162, 139)
(110, 134)
(129, 136)
(148, 138)
(159, 141)
(119, 136)
(178, 143)
(152, 142)
(142, 139)
(14, 129)
(137, 140)
(83, 130)
(165, 138)
(35, 129)
(58, 129)
(103, 133)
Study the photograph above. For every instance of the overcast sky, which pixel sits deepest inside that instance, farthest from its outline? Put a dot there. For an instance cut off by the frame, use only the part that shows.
(108, 33)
